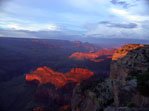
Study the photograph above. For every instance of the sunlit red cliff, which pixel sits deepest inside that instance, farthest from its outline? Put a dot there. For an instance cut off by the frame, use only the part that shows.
(123, 51)
(46, 75)
(93, 56)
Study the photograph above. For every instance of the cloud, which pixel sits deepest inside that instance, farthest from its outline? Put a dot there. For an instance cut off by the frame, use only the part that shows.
(147, 1)
(119, 25)
(125, 3)
(93, 6)
(3, 1)
(129, 16)
(16, 33)
(123, 29)
(145, 25)
(19, 25)
(40, 34)
(119, 17)
(32, 27)
(85, 3)
(119, 11)
(122, 3)
(130, 25)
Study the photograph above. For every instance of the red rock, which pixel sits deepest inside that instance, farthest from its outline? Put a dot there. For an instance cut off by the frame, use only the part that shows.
(123, 51)
(93, 56)
(46, 75)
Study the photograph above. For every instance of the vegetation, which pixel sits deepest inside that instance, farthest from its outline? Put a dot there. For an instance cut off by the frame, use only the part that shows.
(91, 83)
(131, 105)
(143, 83)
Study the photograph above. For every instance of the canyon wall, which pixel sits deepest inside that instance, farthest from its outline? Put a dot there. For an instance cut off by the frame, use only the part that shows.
(127, 87)
(129, 67)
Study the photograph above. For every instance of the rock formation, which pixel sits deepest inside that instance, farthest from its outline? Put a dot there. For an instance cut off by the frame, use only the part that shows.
(129, 65)
(93, 56)
(124, 50)
(126, 89)
(54, 89)
(45, 75)
(92, 96)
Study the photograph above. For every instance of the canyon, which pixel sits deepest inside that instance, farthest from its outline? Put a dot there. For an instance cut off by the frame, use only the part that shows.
(41, 76)
(59, 75)
(121, 91)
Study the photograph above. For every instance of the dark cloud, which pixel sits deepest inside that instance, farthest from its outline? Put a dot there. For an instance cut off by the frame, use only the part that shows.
(122, 3)
(119, 25)
(147, 1)
(145, 24)
(134, 3)
(104, 22)
(37, 34)
(147, 4)
(3, 3)
(130, 25)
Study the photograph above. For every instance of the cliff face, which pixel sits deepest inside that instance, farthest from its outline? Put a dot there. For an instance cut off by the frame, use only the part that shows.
(124, 50)
(127, 87)
(92, 96)
(130, 64)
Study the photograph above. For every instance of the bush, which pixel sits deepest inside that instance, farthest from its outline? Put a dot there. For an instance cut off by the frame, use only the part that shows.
(130, 105)
(143, 84)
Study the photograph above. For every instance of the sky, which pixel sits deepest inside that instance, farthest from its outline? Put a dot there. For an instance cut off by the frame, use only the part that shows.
(85, 18)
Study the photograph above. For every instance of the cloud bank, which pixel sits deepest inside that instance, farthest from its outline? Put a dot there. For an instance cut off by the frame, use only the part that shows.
(103, 18)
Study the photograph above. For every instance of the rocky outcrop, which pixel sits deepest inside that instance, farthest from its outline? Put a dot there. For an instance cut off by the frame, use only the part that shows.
(45, 75)
(54, 89)
(93, 56)
(124, 50)
(92, 96)
(129, 65)
(125, 90)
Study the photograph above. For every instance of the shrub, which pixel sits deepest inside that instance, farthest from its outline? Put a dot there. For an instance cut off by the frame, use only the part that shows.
(143, 83)
(130, 105)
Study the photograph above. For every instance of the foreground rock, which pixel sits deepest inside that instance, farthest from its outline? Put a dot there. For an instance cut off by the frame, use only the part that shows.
(130, 75)
(127, 89)
(92, 96)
